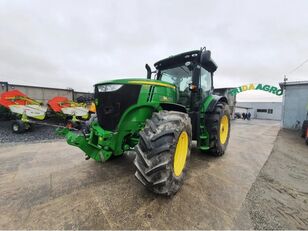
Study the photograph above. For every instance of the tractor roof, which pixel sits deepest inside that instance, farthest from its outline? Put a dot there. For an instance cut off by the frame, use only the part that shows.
(182, 58)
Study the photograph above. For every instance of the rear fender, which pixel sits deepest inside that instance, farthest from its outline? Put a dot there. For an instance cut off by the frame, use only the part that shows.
(211, 101)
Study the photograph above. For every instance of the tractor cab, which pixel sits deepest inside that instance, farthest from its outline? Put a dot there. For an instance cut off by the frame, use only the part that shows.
(191, 72)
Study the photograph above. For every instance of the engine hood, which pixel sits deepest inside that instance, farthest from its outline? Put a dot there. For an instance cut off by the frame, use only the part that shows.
(139, 81)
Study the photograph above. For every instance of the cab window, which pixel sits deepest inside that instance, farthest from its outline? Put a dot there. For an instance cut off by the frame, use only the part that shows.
(205, 80)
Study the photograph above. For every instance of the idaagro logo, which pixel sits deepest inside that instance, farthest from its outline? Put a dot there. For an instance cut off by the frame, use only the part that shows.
(259, 86)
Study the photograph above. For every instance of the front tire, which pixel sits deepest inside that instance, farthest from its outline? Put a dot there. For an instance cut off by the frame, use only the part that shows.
(163, 152)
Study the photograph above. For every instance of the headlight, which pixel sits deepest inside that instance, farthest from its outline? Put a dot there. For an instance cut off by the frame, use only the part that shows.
(109, 87)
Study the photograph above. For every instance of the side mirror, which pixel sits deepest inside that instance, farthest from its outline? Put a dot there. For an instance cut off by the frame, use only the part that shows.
(205, 57)
(206, 61)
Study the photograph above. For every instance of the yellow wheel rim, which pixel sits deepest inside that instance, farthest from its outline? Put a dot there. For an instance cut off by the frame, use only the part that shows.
(224, 129)
(180, 154)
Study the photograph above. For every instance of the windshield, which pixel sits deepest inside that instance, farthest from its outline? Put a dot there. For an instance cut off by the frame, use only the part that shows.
(180, 76)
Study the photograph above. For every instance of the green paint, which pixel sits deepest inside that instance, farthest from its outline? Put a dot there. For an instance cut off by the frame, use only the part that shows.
(204, 137)
(206, 103)
(259, 87)
(100, 144)
(266, 88)
(138, 81)
(273, 90)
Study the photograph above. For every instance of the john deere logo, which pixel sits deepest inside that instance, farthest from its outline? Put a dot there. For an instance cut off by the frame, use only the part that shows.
(267, 88)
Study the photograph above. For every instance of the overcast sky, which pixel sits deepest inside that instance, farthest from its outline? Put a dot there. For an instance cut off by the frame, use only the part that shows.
(78, 43)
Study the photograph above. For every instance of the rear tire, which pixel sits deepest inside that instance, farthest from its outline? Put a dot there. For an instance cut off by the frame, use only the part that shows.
(218, 125)
(163, 152)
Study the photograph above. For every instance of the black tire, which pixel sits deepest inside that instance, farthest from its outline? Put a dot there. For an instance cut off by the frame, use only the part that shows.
(213, 125)
(18, 127)
(304, 128)
(155, 152)
(29, 127)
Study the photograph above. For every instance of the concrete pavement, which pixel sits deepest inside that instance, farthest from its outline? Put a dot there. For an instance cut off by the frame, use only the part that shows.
(51, 186)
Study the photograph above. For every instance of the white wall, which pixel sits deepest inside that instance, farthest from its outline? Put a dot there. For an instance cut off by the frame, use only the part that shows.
(295, 105)
(42, 94)
(275, 106)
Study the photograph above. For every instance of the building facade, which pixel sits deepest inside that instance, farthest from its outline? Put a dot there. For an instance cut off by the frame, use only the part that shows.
(261, 110)
(43, 94)
(295, 104)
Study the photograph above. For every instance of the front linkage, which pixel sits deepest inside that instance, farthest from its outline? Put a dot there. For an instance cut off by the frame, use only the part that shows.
(100, 144)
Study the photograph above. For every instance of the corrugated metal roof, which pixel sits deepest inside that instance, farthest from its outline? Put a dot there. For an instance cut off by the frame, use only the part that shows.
(293, 83)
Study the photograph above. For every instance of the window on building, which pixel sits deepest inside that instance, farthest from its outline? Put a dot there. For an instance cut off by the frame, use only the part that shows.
(270, 111)
(262, 110)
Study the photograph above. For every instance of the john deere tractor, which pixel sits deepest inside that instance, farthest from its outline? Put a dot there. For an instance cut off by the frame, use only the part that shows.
(158, 117)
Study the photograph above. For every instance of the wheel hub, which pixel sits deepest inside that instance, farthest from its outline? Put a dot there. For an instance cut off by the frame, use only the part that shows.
(224, 129)
(15, 127)
(180, 154)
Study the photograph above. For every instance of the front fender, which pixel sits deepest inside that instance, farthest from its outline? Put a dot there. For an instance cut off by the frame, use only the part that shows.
(173, 107)
(133, 118)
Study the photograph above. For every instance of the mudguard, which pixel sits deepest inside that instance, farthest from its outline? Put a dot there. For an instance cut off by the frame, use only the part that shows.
(215, 99)
(173, 107)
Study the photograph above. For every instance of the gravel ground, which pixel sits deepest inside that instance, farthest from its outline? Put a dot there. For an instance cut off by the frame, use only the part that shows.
(39, 133)
(278, 199)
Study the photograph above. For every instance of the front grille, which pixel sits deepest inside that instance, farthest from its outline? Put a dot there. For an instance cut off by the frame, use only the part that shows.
(151, 93)
(112, 105)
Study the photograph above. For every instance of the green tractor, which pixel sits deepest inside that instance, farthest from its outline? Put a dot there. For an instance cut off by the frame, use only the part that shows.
(158, 117)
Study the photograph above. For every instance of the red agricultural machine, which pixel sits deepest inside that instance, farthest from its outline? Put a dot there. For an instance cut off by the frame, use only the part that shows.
(28, 111)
